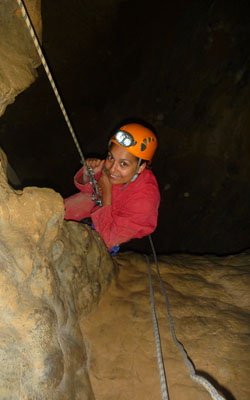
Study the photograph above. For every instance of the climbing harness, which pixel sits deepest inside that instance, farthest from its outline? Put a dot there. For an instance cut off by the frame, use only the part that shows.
(96, 197)
(197, 378)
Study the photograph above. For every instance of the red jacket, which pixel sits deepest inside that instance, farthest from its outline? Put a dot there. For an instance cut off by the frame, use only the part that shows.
(133, 213)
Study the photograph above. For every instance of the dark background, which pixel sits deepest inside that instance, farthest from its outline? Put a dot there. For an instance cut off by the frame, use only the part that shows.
(181, 66)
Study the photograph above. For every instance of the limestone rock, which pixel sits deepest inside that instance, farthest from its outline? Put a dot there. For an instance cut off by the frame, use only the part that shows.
(52, 272)
(18, 56)
(76, 324)
(210, 305)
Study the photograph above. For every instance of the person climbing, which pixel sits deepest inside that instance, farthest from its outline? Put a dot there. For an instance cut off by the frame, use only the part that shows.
(129, 190)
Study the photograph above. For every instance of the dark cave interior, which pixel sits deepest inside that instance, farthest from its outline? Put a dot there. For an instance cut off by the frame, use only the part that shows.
(181, 66)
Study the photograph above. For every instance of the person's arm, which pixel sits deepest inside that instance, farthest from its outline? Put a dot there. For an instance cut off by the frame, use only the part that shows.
(81, 179)
(137, 218)
(96, 164)
(105, 188)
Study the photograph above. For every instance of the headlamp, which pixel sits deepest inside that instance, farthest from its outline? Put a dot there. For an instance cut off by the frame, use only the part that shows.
(125, 139)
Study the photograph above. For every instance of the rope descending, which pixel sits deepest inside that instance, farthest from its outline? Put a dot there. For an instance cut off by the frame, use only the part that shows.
(163, 380)
(198, 379)
(97, 196)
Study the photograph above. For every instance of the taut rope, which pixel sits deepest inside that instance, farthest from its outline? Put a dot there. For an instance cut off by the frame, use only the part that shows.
(33, 35)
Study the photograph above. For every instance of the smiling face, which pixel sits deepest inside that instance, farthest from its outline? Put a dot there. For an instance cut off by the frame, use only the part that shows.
(121, 165)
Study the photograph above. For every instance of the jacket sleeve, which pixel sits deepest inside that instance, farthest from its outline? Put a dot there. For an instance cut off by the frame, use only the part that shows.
(135, 219)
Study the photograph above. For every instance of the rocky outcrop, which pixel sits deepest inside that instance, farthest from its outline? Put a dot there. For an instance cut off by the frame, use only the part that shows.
(52, 272)
(18, 56)
(210, 306)
(183, 67)
(76, 324)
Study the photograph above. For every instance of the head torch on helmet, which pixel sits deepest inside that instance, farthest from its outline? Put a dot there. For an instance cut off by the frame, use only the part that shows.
(125, 139)
(137, 140)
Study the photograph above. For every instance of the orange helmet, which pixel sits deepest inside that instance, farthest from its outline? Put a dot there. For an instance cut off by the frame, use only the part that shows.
(137, 140)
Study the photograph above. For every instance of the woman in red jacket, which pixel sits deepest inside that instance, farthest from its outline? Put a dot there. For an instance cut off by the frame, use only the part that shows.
(130, 193)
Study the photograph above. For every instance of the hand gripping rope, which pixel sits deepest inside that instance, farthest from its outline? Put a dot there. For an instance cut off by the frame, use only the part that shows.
(202, 381)
(96, 196)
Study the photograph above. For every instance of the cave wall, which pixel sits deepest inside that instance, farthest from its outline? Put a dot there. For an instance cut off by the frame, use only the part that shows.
(210, 305)
(76, 323)
(192, 84)
(206, 151)
(184, 68)
(61, 336)
(19, 59)
(52, 273)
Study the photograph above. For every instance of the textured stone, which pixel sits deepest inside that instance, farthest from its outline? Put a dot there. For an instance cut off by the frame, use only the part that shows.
(52, 272)
(68, 331)
(210, 305)
(18, 56)
(181, 66)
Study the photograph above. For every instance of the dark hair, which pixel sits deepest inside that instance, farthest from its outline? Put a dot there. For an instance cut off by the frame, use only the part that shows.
(148, 166)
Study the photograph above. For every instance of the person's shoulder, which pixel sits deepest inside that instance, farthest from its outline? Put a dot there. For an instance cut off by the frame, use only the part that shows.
(147, 185)
(148, 177)
(147, 190)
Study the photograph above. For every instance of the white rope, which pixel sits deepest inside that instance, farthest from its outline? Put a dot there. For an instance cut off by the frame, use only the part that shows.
(96, 196)
(197, 378)
(52, 82)
(163, 380)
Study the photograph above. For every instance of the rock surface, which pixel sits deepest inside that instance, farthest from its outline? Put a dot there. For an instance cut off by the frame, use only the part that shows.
(66, 331)
(183, 67)
(52, 272)
(18, 56)
(210, 305)
(76, 324)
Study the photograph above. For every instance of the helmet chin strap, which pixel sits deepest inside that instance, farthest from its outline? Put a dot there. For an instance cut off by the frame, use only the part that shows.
(135, 175)
(136, 171)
